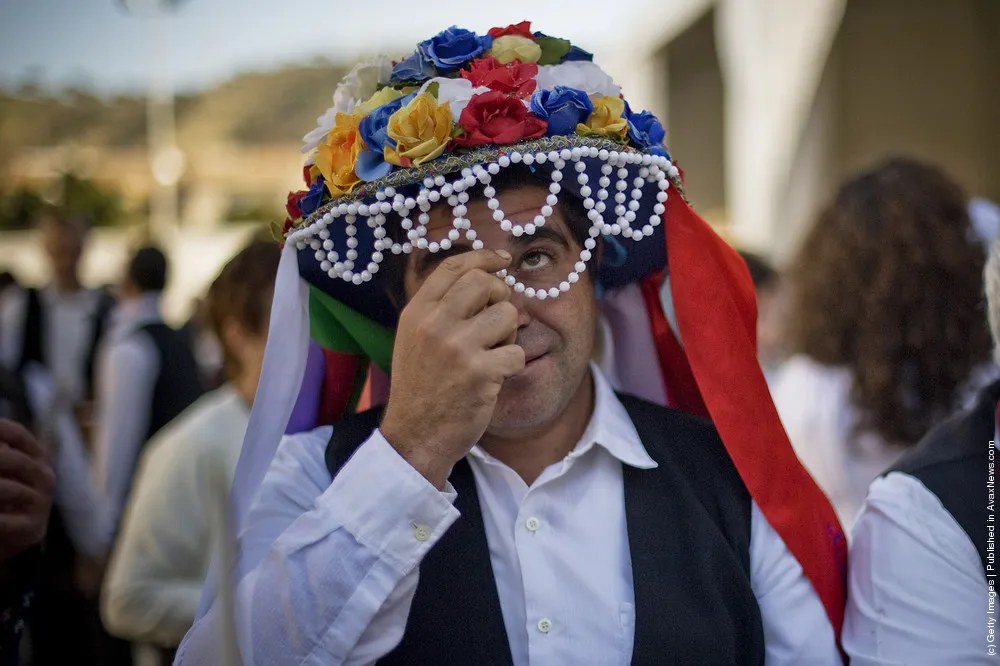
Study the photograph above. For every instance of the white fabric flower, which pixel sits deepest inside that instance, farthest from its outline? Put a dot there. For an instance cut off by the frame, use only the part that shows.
(359, 84)
(578, 74)
(456, 92)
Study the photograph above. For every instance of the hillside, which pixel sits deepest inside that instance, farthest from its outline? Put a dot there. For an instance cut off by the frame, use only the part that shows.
(255, 108)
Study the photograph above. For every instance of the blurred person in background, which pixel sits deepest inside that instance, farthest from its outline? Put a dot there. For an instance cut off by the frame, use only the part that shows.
(154, 581)
(146, 377)
(26, 487)
(886, 325)
(918, 591)
(48, 340)
(771, 311)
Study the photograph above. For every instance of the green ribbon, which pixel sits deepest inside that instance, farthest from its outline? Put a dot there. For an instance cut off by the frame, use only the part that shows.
(336, 327)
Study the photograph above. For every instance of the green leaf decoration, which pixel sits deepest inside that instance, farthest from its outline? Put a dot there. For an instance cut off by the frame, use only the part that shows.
(276, 232)
(457, 130)
(432, 89)
(553, 50)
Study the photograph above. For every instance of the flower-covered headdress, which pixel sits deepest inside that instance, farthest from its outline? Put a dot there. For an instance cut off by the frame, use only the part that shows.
(440, 123)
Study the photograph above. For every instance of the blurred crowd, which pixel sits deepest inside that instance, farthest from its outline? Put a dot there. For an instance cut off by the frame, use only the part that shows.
(873, 333)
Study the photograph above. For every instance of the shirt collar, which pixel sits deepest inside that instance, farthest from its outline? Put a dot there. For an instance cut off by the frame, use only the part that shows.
(609, 427)
(140, 310)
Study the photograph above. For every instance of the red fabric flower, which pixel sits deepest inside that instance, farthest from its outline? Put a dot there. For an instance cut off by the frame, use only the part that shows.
(515, 78)
(292, 204)
(305, 175)
(523, 29)
(496, 118)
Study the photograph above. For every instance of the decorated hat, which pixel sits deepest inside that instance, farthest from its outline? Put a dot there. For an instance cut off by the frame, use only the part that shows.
(440, 124)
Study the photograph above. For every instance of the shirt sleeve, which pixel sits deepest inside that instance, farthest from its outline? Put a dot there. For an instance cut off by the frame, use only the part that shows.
(154, 581)
(334, 564)
(127, 378)
(13, 310)
(917, 594)
(796, 628)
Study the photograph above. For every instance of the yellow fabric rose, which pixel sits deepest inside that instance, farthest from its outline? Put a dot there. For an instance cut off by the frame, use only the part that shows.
(421, 130)
(607, 119)
(383, 96)
(338, 152)
(509, 48)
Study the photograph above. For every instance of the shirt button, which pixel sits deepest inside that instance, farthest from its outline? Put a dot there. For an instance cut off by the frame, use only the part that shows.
(544, 625)
(421, 532)
(532, 524)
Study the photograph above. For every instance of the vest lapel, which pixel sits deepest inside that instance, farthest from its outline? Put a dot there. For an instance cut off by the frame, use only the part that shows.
(457, 594)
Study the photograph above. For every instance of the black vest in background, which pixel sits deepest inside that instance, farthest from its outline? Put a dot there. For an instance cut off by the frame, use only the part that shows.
(952, 461)
(688, 526)
(34, 331)
(178, 383)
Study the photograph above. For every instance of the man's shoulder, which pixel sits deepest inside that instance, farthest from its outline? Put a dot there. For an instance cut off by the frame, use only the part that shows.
(666, 423)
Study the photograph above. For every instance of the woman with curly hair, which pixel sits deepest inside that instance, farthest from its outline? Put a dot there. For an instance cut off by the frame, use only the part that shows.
(886, 325)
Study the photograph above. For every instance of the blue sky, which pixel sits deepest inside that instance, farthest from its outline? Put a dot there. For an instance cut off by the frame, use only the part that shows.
(95, 42)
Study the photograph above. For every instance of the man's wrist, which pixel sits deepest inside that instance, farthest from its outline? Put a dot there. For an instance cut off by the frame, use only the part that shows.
(432, 466)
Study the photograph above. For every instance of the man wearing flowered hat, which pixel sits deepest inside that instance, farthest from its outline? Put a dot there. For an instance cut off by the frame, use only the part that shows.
(490, 225)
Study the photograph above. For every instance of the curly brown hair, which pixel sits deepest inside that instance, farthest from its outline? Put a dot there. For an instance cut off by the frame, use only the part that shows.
(889, 285)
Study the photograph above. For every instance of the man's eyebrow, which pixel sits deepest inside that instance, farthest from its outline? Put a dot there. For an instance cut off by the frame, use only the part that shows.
(543, 233)
(427, 261)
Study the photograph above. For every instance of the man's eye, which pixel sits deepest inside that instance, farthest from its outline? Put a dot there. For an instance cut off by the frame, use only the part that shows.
(535, 260)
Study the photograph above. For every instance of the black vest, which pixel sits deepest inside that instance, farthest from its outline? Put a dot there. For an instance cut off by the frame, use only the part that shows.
(178, 383)
(35, 327)
(689, 536)
(953, 462)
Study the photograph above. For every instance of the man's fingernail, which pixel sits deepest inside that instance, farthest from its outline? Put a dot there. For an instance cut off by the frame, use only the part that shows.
(504, 254)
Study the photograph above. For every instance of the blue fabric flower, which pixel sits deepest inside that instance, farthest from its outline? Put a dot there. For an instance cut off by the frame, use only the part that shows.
(576, 53)
(310, 202)
(562, 107)
(413, 68)
(450, 49)
(646, 132)
(371, 164)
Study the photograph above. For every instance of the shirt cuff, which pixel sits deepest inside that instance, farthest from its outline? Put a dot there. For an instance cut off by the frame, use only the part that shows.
(387, 505)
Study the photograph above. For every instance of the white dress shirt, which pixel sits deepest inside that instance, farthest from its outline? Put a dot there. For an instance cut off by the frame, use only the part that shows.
(128, 366)
(917, 594)
(68, 333)
(334, 565)
(154, 580)
(815, 405)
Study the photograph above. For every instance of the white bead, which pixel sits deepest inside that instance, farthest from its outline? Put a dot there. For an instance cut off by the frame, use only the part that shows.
(601, 207)
(515, 157)
(663, 184)
(497, 214)
(489, 192)
(470, 234)
(422, 243)
(410, 203)
(333, 256)
(315, 244)
(659, 209)
(636, 194)
(616, 229)
(556, 176)
(580, 166)
(529, 228)
(504, 161)
(493, 168)
(590, 243)
(493, 204)
(528, 159)
(644, 171)
(602, 194)
(358, 278)
(439, 180)
(363, 210)
(573, 277)
(554, 292)
(406, 223)
(564, 286)
(352, 242)
(647, 230)
(519, 287)
(588, 203)
(460, 210)
(453, 201)
(343, 209)
(605, 229)
(593, 215)
(352, 255)
(541, 294)
(328, 244)
(541, 158)
(325, 265)
(607, 169)
(546, 211)
(407, 248)
(347, 275)
(510, 280)
(633, 205)
(517, 231)
(320, 255)
(565, 154)
(333, 273)
(602, 155)
(380, 195)
(447, 190)
(620, 210)
(477, 245)
(552, 200)
(446, 244)
(529, 292)
(433, 247)
(630, 216)
(553, 155)
(638, 183)
(585, 255)
(324, 233)
(506, 225)
(539, 220)
(396, 248)
(620, 197)
(580, 267)
(576, 154)
(585, 191)
(454, 234)
(559, 164)
(423, 218)
(352, 209)
(377, 257)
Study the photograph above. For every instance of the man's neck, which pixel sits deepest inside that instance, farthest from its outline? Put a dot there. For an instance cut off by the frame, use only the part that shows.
(529, 452)
(66, 285)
